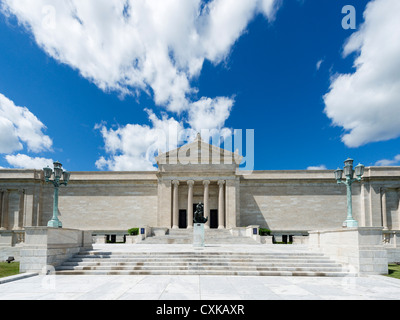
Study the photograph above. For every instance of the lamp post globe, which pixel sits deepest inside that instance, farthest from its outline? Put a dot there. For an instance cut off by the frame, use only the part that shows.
(338, 174)
(359, 170)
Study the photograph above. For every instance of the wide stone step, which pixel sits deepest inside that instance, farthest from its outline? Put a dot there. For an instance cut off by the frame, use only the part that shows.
(206, 272)
(312, 263)
(104, 254)
(203, 261)
(223, 259)
(177, 240)
(227, 262)
(211, 236)
(205, 268)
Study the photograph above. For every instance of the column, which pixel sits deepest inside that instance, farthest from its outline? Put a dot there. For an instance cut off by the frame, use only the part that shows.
(232, 205)
(362, 205)
(383, 206)
(19, 221)
(190, 204)
(164, 205)
(1, 208)
(206, 204)
(4, 210)
(175, 209)
(398, 208)
(221, 205)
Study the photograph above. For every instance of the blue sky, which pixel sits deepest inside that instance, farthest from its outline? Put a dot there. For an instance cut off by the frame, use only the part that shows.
(265, 66)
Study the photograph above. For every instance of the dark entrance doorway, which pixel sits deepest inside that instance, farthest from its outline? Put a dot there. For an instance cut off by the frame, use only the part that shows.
(213, 219)
(182, 219)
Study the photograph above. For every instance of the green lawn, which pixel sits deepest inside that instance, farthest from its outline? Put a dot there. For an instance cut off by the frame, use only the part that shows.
(8, 269)
(394, 271)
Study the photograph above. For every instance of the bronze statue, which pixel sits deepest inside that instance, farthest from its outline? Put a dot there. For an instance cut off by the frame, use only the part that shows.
(199, 214)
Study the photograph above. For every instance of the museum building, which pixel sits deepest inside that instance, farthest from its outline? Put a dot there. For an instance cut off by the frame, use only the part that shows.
(291, 202)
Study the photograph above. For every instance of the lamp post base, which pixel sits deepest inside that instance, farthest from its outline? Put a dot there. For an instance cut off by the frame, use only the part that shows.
(350, 223)
(54, 224)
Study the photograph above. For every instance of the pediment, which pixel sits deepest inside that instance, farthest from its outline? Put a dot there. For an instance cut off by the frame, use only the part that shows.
(199, 152)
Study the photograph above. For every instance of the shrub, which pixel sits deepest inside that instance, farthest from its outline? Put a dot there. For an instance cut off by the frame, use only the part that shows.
(264, 232)
(133, 231)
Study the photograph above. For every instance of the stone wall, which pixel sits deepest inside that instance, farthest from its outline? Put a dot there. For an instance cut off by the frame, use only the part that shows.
(361, 249)
(391, 242)
(91, 201)
(295, 206)
(301, 200)
(11, 243)
(108, 207)
(49, 247)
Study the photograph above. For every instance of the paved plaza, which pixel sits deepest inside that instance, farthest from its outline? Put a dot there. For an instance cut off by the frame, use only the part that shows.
(200, 288)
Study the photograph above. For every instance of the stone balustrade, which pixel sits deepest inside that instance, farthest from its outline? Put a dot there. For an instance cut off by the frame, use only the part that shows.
(46, 247)
(360, 248)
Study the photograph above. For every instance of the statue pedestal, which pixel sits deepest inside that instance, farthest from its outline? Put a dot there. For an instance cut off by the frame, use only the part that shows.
(198, 235)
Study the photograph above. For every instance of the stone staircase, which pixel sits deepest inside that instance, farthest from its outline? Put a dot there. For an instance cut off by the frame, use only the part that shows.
(211, 236)
(226, 262)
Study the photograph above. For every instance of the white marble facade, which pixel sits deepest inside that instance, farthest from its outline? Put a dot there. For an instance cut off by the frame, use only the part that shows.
(296, 201)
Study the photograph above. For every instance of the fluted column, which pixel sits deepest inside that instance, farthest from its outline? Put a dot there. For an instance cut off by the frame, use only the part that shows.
(398, 207)
(190, 204)
(384, 211)
(175, 208)
(19, 220)
(221, 205)
(206, 203)
(2, 207)
(4, 210)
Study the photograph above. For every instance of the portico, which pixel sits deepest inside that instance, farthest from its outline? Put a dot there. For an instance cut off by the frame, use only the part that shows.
(198, 173)
(214, 207)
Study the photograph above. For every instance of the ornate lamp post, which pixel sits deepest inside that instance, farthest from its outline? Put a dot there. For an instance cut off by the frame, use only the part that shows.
(349, 174)
(58, 173)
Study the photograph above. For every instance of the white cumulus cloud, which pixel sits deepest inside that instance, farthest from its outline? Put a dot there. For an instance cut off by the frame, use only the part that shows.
(210, 113)
(389, 162)
(24, 161)
(133, 147)
(320, 167)
(134, 46)
(366, 103)
(19, 126)
(128, 46)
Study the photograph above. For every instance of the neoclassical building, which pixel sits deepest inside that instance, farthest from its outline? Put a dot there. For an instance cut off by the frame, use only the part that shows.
(291, 202)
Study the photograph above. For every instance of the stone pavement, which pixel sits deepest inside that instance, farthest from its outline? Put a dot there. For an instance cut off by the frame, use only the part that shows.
(198, 287)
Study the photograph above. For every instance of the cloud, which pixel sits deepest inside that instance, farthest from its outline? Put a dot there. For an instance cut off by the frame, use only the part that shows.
(210, 113)
(366, 103)
(319, 63)
(26, 162)
(320, 167)
(132, 46)
(386, 162)
(129, 46)
(133, 147)
(19, 126)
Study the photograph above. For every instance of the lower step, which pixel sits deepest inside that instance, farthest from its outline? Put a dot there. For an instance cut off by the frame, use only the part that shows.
(203, 268)
(208, 272)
